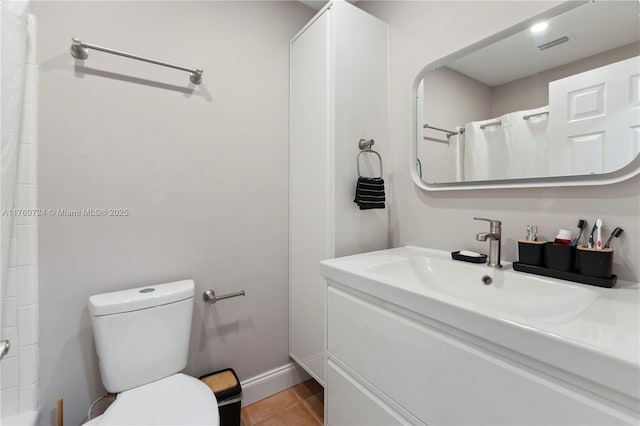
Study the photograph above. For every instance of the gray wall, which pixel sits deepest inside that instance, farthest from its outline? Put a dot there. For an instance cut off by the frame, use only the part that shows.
(203, 172)
(422, 32)
(458, 100)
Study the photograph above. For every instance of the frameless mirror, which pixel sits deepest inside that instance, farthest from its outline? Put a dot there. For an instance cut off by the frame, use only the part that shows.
(554, 100)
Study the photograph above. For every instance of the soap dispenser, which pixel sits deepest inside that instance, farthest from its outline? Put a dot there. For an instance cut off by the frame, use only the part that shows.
(530, 249)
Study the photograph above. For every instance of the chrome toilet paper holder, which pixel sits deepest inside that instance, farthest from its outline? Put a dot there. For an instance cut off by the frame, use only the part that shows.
(209, 296)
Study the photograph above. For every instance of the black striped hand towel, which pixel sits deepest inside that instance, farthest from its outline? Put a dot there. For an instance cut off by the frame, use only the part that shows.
(370, 193)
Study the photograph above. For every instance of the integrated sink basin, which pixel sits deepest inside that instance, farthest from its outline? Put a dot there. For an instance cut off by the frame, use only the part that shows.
(586, 331)
(478, 286)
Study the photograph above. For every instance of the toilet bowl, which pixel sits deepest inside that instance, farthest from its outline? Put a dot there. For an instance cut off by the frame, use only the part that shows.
(142, 342)
(175, 400)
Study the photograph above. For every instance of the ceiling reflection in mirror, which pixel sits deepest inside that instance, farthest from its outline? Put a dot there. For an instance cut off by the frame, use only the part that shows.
(560, 98)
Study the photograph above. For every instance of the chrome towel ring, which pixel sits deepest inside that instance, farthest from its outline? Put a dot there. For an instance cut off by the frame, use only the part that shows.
(365, 146)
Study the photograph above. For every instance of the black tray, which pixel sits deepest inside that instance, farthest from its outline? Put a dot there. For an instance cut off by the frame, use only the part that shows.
(563, 275)
(473, 259)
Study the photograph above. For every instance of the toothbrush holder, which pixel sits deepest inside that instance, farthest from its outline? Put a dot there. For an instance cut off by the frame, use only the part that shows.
(594, 262)
(559, 257)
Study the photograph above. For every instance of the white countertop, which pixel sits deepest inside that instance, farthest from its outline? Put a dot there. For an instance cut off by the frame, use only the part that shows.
(600, 343)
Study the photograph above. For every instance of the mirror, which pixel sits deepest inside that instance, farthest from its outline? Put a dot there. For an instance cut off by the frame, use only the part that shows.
(552, 101)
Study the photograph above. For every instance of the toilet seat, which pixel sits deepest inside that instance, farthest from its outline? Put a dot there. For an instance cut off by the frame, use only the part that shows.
(175, 400)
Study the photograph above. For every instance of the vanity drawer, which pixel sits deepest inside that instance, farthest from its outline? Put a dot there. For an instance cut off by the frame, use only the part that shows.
(443, 380)
(351, 404)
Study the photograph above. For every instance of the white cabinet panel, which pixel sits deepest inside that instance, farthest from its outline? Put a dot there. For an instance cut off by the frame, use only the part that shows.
(351, 404)
(338, 75)
(310, 218)
(444, 381)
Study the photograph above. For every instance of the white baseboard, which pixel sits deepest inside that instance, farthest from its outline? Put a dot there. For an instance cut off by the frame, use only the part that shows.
(271, 382)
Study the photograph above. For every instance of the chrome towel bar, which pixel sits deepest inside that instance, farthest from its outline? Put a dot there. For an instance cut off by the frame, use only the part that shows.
(79, 50)
(448, 132)
(209, 296)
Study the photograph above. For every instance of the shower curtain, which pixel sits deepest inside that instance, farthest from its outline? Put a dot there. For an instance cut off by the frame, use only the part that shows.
(18, 219)
(457, 141)
(514, 148)
(485, 154)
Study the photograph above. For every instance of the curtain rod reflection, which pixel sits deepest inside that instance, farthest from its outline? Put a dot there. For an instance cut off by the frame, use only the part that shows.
(484, 126)
(448, 132)
(526, 117)
(493, 123)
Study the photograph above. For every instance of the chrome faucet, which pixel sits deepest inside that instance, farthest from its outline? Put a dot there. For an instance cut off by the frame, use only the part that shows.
(494, 236)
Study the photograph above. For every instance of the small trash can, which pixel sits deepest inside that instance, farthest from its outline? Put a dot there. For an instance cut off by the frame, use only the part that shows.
(226, 386)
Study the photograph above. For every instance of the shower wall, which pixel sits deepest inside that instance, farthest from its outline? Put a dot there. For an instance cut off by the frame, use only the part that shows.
(20, 367)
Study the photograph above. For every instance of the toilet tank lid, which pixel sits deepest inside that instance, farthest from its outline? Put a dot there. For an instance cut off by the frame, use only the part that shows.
(140, 298)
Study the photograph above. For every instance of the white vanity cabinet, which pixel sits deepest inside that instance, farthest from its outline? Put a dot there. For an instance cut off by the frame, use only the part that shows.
(401, 367)
(338, 95)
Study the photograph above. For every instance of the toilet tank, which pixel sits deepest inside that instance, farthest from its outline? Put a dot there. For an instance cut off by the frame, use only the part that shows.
(142, 334)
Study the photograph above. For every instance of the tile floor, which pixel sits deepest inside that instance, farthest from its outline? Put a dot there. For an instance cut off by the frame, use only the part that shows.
(301, 405)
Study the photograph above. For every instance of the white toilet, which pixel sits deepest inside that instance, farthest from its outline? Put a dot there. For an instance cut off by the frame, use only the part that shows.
(142, 339)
